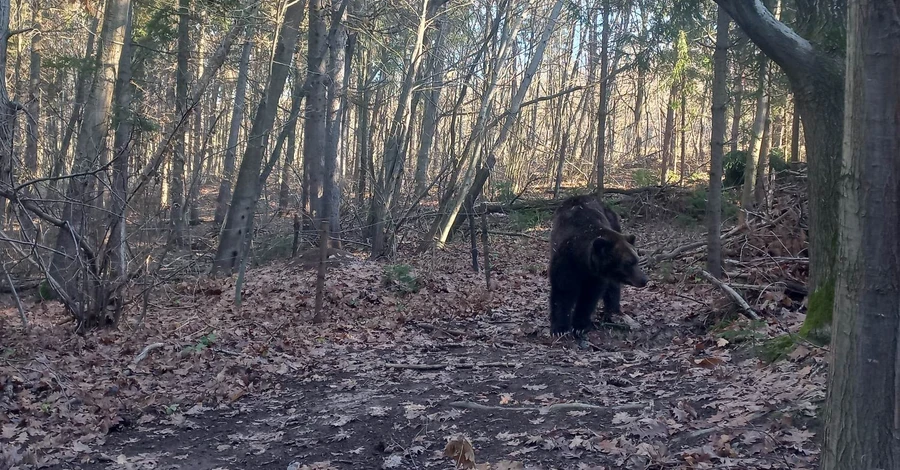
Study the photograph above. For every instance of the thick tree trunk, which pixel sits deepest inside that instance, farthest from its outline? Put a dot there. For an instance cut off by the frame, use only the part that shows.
(8, 110)
(315, 126)
(717, 144)
(34, 92)
(234, 238)
(863, 402)
(237, 116)
(176, 189)
(639, 110)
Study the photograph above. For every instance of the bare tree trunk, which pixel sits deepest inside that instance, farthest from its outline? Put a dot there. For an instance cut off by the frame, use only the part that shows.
(72, 267)
(862, 408)
(668, 150)
(431, 117)
(738, 109)
(364, 160)
(82, 88)
(762, 103)
(176, 190)
(289, 133)
(336, 96)
(34, 90)
(639, 110)
(122, 123)
(8, 110)
(682, 162)
(605, 87)
(759, 191)
(795, 136)
(237, 116)
(717, 146)
(235, 235)
(315, 127)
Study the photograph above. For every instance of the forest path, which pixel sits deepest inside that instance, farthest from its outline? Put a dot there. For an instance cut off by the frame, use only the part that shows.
(412, 356)
(664, 396)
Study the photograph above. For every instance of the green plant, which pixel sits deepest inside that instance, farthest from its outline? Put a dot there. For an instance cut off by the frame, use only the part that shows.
(777, 162)
(733, 168)
(402, 278)
(45, 292)
(171, 409)
(643, 177)
(204, 342)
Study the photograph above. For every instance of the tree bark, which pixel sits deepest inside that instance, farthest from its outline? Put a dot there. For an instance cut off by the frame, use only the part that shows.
(738, 109)
(237, 116)
(862, 406)
(315, 125)
(668, 150)
(432, 117)
(753, 153)
(717, 146)
(602, 111)
(235, 236)
(336, 96)
(176, 188)
(795, 136)
(762, 165)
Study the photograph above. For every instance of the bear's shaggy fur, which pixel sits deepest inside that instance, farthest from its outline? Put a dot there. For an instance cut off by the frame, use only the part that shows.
(590, 259)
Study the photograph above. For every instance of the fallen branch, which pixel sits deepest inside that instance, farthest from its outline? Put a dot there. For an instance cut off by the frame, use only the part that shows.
(652, 259)
(146, 351)
(745, 307)
(546, 409)
(441, 366)
(517, 234)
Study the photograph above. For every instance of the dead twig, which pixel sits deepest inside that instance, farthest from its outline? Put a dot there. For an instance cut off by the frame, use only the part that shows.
(441, 366)
(546, 409)
(745, 307)
(145, 352)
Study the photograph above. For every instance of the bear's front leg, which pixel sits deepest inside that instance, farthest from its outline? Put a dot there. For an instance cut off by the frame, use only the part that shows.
(585, 307)
(561, 302)
(612, 294)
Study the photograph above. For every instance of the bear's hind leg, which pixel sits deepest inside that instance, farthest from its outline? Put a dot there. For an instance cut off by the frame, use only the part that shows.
(561, 302)
(585, 307)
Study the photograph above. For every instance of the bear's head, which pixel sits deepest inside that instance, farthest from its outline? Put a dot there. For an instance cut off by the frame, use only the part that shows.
(613, 256)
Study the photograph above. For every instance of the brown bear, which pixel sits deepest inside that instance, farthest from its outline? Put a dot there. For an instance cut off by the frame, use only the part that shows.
(590, 259)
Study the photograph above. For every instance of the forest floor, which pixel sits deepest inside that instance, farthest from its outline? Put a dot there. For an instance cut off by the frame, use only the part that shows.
(393, 376)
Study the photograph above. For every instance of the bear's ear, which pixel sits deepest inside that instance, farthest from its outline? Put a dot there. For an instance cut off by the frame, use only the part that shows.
(630, 239)
(601, 245)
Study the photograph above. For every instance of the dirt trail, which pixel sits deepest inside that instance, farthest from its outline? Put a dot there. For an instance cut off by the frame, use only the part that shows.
(646, 403)
(393, 376)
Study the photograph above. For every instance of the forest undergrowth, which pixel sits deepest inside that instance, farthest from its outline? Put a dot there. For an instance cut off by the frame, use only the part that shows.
(421, 366)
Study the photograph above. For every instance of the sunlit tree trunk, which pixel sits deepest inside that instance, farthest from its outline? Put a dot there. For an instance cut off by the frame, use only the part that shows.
(433, 97)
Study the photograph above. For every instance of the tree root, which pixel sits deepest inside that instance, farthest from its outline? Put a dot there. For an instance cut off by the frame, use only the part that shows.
(546, 409)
